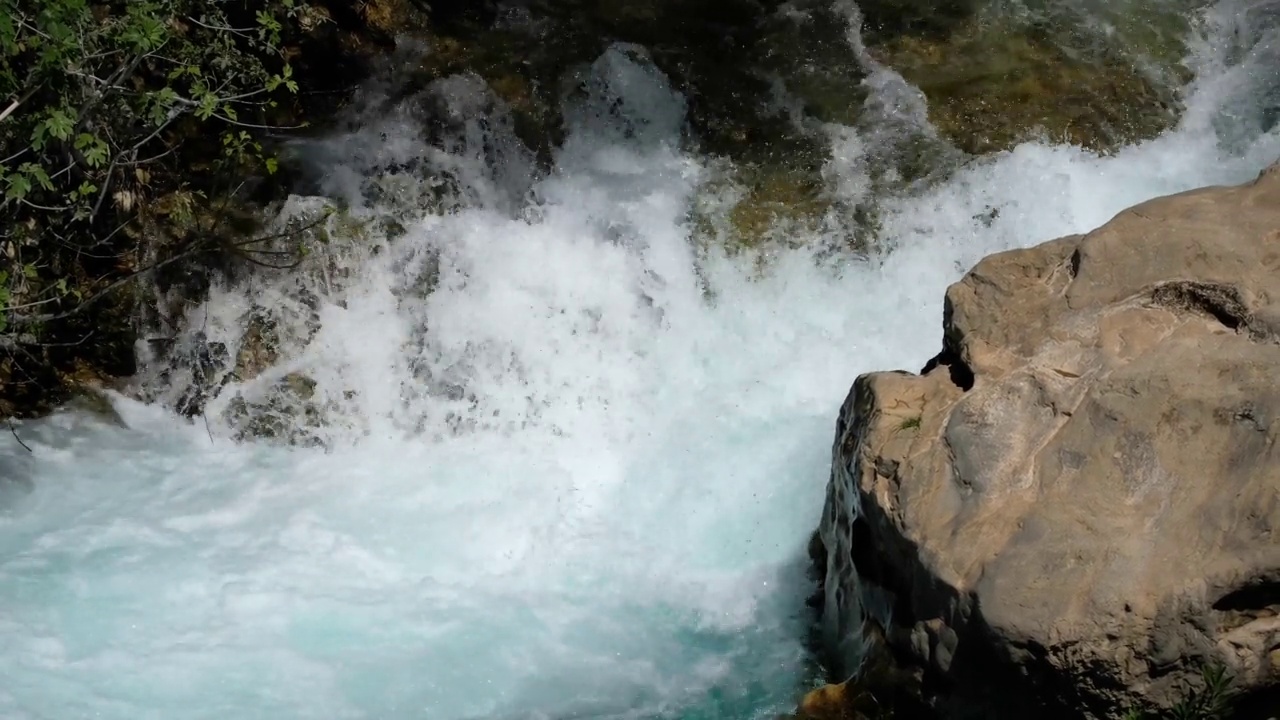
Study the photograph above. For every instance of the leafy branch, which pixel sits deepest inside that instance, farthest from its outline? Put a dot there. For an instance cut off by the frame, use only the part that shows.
(107, 108)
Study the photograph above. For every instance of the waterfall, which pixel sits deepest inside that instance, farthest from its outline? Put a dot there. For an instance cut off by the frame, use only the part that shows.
(551, 452)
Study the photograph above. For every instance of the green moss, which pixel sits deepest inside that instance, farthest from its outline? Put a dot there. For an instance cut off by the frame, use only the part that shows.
(994, 83)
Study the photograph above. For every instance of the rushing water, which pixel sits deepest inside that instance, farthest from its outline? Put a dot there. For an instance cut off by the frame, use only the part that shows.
(639, 432)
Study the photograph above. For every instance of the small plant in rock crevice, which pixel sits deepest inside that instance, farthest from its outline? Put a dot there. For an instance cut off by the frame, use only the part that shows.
(1213, 701)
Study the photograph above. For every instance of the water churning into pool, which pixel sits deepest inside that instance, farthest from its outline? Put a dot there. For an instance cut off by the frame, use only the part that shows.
(570, 456)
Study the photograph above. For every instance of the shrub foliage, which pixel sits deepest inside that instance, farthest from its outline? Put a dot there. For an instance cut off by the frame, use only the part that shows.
(116, 115)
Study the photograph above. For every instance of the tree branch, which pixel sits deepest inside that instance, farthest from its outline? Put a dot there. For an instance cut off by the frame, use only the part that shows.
(229, 121)
(14, 430)
(18, 319)
(85, 304)
(14, 105)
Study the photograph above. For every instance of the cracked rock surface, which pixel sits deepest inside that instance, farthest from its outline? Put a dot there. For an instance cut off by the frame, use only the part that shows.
(1074, 508)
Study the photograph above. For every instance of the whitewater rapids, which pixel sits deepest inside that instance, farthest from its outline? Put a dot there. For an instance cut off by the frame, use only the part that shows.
(619, 529)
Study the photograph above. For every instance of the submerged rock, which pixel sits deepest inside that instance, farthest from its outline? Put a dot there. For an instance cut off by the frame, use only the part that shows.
(1073, 510)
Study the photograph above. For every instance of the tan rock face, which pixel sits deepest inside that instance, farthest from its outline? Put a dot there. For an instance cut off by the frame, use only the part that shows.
(1083, 489)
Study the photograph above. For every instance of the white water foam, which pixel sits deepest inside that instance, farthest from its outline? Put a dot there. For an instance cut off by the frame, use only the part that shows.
(613, 529)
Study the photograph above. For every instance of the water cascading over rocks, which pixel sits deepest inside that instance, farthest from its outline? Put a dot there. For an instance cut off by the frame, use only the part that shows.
(573, 443)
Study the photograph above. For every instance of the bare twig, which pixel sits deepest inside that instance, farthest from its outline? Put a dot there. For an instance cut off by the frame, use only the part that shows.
(36, 303)
(14, 430)
(148, 161)
(85, 304)
(18, 319)
(9, 110)
(174, 113)
(17, 102)
(229, 121)
(15, 156)
(37, 206)
(75, 343)
(239, 31)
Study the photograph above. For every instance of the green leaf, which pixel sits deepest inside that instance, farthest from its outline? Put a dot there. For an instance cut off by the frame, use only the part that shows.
(29, 271)
(96, 156)
(19, 186)
(36, 174)
(59, 124)
(268, 22)
(95, 151)
(85, 190)
(159, 104)
(208, 105)
(272, 165)
(38, 134)
(192, 70)
(8, 34)
(145, 32)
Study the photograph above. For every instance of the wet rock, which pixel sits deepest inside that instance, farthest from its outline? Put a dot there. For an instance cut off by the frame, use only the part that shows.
(287, 413)
(994, 82)
(259, 346)
(341, 41)
(93, 400)
(916, 18)
(206, 363)
(752, 208)
(838, 701)
(1072, 510)
(727, 58)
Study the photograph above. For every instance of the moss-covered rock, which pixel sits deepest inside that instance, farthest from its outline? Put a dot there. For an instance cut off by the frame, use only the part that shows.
(993, 80)
(286, 413)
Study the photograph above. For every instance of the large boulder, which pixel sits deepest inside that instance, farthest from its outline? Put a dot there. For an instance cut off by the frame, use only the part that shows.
(1073, 510)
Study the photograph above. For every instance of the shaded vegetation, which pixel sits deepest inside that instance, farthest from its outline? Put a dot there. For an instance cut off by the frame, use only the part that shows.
(1213, 700)
(134, 137)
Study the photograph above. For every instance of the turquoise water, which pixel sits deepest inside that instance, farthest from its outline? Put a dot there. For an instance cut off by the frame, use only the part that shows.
(615, 524)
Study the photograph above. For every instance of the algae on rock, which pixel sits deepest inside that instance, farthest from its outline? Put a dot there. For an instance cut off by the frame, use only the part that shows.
(993, 82)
